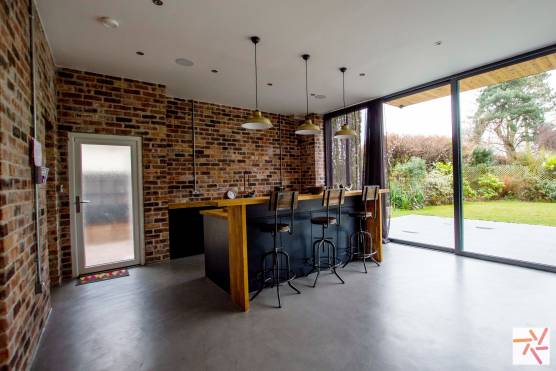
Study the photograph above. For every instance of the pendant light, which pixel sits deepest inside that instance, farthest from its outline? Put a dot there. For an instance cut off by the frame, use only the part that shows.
(345, 132)
(257, 121)
(307, 128)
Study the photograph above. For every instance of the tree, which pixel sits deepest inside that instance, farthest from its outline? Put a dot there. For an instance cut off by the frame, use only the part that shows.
(547, 137)
(514, 111)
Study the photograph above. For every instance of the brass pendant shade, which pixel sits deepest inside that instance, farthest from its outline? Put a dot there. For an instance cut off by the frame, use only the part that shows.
(345, 132)
(307, 128)
(257, 121)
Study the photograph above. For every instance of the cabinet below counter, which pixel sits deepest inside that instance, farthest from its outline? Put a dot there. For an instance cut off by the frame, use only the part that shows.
(234, 243)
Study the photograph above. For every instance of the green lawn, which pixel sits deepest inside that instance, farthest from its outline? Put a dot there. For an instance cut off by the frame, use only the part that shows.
(539, 213)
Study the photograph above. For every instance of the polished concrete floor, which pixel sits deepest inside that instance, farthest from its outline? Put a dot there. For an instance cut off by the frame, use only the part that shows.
(421, 310)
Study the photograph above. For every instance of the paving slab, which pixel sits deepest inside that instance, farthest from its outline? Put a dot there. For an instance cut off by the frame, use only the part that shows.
(531, 243)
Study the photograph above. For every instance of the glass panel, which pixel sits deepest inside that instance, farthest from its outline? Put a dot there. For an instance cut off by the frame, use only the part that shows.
(107, 217)
(418, 132)
(509, 168)
(347, 155)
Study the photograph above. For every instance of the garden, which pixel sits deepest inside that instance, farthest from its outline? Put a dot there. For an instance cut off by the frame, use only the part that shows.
(509, 160)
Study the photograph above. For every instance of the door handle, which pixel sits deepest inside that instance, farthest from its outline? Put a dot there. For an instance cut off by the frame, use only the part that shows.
(78, 203)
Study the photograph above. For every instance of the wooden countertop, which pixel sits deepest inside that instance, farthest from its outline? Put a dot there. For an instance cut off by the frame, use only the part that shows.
(249, 201)
(217, 213)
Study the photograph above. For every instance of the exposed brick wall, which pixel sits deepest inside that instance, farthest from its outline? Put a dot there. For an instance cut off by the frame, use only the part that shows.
(22, 312)
(92, 103)
(225, 151)
(77, 101)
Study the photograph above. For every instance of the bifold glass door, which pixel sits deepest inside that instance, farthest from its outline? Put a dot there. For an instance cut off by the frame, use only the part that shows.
(508, 124)
(505, 133)
(418, 146)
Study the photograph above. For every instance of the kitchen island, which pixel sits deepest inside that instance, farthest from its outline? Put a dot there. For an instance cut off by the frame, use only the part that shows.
(234, 243)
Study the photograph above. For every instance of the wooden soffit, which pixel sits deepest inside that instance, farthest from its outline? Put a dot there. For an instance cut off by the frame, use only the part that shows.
(515, 71)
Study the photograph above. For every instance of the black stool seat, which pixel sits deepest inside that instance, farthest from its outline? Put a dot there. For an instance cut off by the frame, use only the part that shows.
(280, 227)
(324, 220)
(361, 214)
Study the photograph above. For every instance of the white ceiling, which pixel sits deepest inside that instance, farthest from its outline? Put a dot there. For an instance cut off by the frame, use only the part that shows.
(389, 40)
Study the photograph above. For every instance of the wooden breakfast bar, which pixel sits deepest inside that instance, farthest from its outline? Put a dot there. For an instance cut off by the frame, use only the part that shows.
(232, 236)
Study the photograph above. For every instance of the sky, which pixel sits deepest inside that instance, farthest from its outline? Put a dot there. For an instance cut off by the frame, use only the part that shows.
(434, 117)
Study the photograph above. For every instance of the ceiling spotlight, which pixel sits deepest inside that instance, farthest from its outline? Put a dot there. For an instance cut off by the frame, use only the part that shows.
(108, 22)
(214, 71)
(158, 2)
(139, 52)
(437, 43)
(362, 74)
(184, 62)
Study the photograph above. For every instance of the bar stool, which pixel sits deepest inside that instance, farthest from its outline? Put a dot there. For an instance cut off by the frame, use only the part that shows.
(361, 242)
(329, 198)
(274, 276)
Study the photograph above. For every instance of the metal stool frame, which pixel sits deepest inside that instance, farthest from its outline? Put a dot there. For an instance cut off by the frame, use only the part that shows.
(329, 198)
(362, 241)
(279, 201)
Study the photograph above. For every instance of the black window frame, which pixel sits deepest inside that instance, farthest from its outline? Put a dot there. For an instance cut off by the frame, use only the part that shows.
(329, 137)
(453, 81)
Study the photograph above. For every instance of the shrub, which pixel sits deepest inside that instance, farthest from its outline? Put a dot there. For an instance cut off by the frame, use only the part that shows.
(445, 168)
(438, 188)
(481, 155)
(468, 192)
(489, 186)
(549, 189)
(401, 148)
(412, 171)
(549, 166)
(406, 185)
(408, 197)
(530, 160)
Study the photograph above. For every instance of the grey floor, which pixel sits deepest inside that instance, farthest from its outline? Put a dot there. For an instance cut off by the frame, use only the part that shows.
(530, 243)
(421, 310)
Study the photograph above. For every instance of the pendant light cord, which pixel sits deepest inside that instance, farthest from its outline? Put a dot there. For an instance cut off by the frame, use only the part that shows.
(306, 87)
(344, 87)
(256, 81)
(344, 95)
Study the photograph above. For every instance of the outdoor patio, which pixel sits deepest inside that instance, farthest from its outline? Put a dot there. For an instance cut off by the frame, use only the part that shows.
(532, 243)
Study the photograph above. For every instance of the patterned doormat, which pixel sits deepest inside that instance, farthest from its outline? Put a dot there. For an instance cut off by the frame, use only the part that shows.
(102, 276)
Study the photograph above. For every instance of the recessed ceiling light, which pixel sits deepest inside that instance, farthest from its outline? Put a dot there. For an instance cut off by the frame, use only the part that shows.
(320, 96)
(214, 71)
(438, 43)
(109, 22)
(269, 83)
(139, 52)
(362, 74)
(184, 62)
(158, 2)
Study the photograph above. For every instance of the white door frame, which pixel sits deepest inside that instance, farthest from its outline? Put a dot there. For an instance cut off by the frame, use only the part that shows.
(75, 139)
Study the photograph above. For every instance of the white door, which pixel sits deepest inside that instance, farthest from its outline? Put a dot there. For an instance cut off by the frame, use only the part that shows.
(106, 202)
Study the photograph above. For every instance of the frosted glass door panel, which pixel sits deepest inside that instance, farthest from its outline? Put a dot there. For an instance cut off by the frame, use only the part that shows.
(107, 204)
